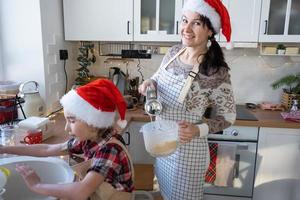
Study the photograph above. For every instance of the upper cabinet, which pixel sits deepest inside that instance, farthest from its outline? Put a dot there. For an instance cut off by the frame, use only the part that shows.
(280, 21)
(244, 16)
(98, 20)
(157, 20)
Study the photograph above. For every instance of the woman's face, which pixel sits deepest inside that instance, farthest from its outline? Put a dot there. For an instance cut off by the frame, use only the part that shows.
(193, 32)
(78, 129)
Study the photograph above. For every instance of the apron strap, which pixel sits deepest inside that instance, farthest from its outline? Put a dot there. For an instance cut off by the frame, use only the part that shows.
(189, 79)
(174, 57)
(188, 84)
(116, 141)
(106, 191)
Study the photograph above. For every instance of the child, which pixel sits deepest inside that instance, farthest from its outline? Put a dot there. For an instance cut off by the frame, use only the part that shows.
(89, 112)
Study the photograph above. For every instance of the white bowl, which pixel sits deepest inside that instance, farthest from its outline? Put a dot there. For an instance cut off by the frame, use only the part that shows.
(50, 169)
(160, 137)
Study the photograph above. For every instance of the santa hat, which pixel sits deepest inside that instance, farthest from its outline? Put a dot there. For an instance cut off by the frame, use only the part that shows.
(96, 104)
(215, 11)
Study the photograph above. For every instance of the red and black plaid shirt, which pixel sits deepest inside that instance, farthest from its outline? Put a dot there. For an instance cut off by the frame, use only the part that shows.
(110, 160)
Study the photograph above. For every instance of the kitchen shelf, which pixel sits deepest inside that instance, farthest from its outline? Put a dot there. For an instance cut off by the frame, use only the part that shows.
(272, 49)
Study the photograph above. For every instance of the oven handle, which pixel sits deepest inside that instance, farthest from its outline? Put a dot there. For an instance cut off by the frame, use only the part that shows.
(239, 146)
(237, 166)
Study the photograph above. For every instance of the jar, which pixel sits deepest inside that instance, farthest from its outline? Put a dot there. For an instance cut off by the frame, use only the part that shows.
(7, 135)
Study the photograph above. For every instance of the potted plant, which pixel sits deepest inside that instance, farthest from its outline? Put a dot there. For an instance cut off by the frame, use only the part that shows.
(291, 90)
(281, 49)
(85, 58)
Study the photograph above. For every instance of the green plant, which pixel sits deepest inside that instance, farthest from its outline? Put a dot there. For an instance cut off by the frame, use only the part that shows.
(281, 46)
(291, 81)
(85, 58)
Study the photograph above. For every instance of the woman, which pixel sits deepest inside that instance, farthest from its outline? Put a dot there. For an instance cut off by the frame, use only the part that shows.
(89, 112)
(192, 77)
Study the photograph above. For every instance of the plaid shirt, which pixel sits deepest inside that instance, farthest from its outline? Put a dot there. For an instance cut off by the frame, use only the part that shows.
(110, 160)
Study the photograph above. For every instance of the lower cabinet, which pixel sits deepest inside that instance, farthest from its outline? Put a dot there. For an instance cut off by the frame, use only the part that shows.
(278, 164)
(136, 145)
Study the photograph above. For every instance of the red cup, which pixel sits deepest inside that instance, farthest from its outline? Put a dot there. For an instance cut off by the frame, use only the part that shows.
(33, 136)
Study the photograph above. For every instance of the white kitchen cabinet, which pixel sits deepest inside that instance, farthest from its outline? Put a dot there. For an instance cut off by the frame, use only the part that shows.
(244, 16)
(157, 20)
(98, 20)
(278, 164)
(280, 21)
(136, 145)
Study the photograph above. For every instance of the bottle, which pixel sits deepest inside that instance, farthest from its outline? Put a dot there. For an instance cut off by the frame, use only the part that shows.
(294, 107)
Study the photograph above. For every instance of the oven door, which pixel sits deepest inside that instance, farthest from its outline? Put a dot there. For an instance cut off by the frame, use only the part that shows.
(243, 168)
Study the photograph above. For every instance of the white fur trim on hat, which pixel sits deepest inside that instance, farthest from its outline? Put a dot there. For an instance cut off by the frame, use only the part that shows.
(81, 109)
(203, 8)
(122, 123)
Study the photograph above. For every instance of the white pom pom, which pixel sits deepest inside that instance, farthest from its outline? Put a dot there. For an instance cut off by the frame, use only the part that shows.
(122, 123)
(229, 45)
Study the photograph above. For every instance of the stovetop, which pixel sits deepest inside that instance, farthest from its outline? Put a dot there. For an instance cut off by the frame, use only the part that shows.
(242, 113)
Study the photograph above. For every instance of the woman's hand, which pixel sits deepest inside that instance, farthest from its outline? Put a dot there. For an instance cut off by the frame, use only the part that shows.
(187, 131)
(145, 84)
(30, 177)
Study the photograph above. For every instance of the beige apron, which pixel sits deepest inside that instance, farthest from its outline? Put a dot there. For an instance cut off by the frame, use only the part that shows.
(105, 191)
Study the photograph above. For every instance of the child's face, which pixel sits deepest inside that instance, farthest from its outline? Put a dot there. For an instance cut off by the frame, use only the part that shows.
(77, 128)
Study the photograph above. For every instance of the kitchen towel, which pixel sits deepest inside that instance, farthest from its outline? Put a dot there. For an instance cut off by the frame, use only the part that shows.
(225, 165)
(291, 116)
(210, 175)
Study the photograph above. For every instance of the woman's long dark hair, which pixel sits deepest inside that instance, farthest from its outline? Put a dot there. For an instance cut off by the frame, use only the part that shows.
(213, 60)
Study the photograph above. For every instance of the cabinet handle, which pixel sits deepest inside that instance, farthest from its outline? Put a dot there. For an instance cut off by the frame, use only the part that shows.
(266, 27)
(128, 27)
(128, 138)
(177, 27)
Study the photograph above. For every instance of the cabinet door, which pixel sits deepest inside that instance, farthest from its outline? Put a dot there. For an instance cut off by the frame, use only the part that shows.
(244, 17)
(157, 20)
(98, 20)
(136, 145)
(280, 21)
(278, 164)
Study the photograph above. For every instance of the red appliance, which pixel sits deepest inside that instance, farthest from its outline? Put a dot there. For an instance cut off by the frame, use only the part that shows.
(8, 109)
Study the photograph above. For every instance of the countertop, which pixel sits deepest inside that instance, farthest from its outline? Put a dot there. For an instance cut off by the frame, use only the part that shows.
(265, 118)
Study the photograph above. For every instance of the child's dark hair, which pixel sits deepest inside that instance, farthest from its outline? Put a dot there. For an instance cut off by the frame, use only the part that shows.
(214, 58)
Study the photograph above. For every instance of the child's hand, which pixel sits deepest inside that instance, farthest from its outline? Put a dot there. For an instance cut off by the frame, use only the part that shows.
(30, 177)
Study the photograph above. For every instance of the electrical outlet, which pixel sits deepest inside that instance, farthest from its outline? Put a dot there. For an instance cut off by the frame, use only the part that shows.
(63, 54)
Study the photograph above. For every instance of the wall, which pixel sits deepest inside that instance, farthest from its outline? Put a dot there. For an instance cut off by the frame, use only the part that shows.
(1, 63)
(22, 53)
(251, 74)
(53, 40)
(32, 34)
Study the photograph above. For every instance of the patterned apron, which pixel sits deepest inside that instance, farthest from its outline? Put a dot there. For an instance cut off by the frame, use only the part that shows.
(180, 175)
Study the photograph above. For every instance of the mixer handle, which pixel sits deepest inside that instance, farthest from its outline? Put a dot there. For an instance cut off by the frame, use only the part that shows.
(150, 93)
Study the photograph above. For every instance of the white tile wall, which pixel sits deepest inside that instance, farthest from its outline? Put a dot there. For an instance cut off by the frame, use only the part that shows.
(251, 74)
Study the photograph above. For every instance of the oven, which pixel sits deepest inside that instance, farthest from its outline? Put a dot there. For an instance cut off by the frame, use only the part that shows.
(234, 164)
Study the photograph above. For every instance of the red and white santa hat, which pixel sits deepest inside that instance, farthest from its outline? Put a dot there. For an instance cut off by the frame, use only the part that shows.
(96, 103)
(215, 11)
